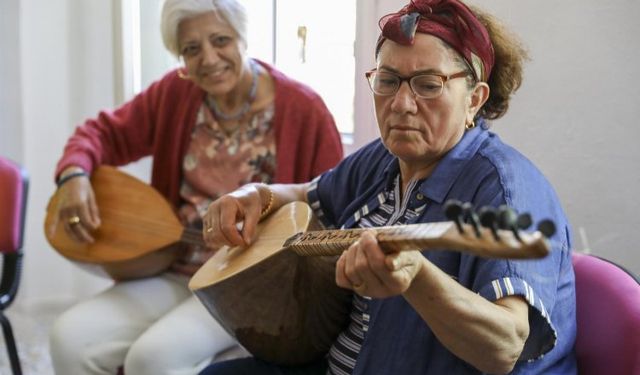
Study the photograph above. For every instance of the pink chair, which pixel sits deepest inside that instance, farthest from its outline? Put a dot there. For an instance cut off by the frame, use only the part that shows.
(13, 202)
(608, 315)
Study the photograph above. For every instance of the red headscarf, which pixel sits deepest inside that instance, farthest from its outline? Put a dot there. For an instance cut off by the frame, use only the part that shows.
(449, 20)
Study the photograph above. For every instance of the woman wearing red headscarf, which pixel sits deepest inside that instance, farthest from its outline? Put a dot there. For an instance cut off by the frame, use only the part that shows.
(442, 71)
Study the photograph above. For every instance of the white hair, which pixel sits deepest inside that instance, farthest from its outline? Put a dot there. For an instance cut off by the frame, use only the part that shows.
(175, 11)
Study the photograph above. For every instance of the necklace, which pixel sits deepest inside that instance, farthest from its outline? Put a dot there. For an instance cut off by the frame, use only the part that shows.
(245, 107)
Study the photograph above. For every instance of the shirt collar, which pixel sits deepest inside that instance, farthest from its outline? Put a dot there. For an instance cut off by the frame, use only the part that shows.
(437, 185)
(391, 170)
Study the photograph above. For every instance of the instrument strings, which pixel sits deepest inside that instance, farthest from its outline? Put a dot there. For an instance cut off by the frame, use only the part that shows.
(329, 242)
(334, 242)
(151, 226)
(193, 236)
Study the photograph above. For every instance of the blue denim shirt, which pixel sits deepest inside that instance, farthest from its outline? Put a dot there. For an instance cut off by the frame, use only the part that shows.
(483, 170)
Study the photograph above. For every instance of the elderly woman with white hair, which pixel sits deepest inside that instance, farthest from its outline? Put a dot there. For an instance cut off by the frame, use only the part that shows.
(221, 121)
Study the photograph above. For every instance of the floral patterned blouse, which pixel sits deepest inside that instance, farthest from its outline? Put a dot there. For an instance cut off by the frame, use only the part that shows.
(219, 161)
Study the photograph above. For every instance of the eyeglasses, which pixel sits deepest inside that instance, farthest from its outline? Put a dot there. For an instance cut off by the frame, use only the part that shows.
(425, 86)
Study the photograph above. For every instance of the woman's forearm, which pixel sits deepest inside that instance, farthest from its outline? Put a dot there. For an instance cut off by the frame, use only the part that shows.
(490, 336)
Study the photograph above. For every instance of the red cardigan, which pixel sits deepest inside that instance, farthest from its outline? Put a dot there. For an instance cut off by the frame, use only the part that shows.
(159, 122)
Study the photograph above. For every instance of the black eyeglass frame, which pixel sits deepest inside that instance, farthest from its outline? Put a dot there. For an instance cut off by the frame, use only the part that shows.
(443, 77)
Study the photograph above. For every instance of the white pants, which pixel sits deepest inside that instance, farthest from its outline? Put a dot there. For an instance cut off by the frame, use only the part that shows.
(151, 326)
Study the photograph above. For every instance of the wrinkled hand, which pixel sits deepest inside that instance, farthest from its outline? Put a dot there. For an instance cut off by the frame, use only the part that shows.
(77, 210)
(220, 225)
(367, 270)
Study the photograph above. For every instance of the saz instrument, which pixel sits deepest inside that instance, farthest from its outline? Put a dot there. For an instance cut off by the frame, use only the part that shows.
(279, 298)
(138, 227)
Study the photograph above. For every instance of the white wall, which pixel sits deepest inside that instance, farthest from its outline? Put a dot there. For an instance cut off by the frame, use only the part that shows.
(11, 133)
(66, 74)
(574, 116)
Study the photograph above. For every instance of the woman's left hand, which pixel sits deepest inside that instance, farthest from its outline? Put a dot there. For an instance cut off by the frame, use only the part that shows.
(367, 270)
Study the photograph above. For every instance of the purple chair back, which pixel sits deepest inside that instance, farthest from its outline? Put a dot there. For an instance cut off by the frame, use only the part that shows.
(608, 315)
(13, 187)
(13, 202)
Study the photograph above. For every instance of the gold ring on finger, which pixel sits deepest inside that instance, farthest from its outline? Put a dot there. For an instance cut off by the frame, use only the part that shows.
(73, 220)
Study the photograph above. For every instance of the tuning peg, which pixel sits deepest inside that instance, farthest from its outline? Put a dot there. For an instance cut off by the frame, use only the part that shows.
(547, 227)
(524, 221)
(453, 211)
(488, 219)
(507, 219)
(471, 217)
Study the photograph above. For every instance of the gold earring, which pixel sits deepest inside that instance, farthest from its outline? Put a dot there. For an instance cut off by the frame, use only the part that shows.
(182, 75)
(470, 125)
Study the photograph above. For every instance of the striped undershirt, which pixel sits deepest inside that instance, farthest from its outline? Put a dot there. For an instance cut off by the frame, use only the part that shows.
(391, 211)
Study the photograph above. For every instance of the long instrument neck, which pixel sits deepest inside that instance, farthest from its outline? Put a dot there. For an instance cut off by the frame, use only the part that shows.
(334, 242)
(442, 235)
(431, 236)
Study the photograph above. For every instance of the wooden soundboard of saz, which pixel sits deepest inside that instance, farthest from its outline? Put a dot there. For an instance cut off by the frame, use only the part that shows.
(282, 307)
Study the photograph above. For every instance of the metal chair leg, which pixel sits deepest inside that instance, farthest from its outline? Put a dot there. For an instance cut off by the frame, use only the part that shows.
(11, 344)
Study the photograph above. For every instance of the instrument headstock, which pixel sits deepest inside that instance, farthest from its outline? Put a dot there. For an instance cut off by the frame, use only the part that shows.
(500, 231)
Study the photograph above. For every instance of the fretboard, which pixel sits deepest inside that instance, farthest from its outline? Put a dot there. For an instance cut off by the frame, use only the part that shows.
(431, 236)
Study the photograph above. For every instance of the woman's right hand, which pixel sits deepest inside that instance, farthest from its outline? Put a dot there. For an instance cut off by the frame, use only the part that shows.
(232, 219)
(77, 208)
